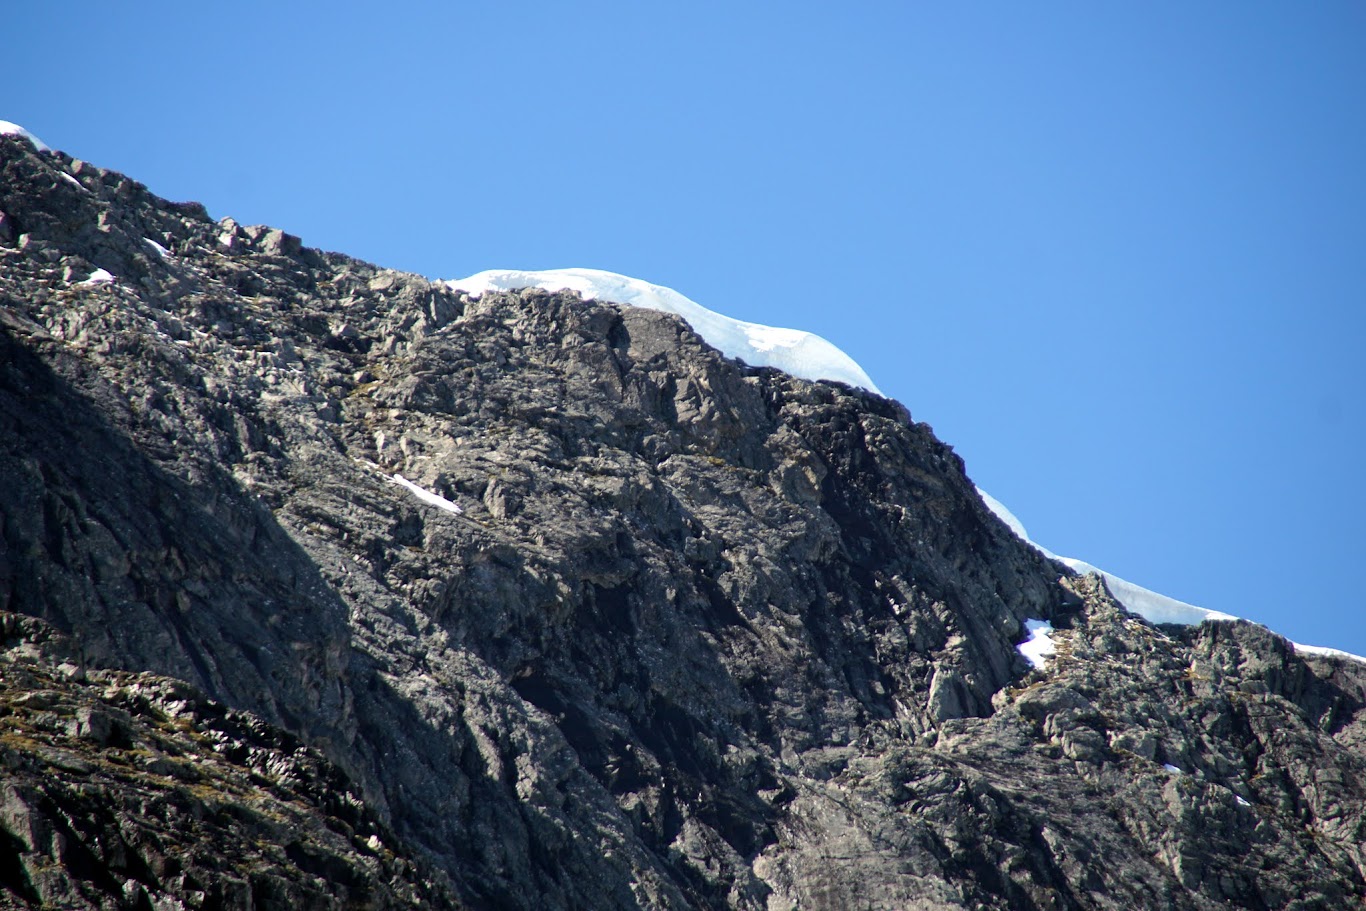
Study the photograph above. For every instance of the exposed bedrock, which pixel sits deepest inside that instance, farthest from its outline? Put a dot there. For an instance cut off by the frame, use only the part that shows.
(700, 636)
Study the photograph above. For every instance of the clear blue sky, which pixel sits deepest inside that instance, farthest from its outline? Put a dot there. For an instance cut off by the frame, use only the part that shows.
(1116, 256)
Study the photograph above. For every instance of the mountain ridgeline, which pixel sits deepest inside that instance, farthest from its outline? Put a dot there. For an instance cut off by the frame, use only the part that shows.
(697, 635)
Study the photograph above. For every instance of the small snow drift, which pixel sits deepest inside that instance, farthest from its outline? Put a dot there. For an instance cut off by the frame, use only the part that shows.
(1136, 599)
(425, 495)
(1324, 652)
(1147, 604)
(799, 353)
(1039, 647)
(13, 129)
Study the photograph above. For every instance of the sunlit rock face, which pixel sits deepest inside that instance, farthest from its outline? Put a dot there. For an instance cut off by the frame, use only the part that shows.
(570, 610)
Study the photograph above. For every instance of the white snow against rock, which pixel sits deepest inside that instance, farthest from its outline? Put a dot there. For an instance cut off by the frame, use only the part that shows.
(426, 496)
(1136, 599)
(1039, 647)
(13, 129)
(799, 353)
(802, 354)
(1147, 604)
(811, 357)
(1323, 652)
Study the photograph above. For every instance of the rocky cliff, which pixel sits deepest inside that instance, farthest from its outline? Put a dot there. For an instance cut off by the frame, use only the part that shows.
(386, 594)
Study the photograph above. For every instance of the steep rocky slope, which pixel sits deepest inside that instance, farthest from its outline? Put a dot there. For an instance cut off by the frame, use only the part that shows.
(699, 635)
(131, 790)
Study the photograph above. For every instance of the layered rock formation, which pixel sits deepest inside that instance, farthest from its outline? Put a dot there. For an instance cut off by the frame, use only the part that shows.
(694, 635)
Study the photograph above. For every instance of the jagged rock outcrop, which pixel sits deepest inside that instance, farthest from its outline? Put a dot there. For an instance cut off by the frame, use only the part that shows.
(131, 790)
(701, 635)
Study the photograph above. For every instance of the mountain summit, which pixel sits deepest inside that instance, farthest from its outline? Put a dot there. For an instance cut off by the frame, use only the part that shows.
(324, 585)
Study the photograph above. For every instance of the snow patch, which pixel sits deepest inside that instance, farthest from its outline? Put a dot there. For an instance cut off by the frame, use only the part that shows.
(73, 181)
(1039, 647)
(426, 496)
(13, 129)
(1171, 768)
(1323, 652)
(160, 250)
(1241, 801)
(1136, 599)
(999, 510)
(799, 353)
(98, 277)
(1146, 603)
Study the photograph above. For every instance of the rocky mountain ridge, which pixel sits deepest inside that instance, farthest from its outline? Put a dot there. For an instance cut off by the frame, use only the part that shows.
(701, 635)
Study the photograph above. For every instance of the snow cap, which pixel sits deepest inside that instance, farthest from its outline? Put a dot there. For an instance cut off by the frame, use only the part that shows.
(13, 129)
(799, 353)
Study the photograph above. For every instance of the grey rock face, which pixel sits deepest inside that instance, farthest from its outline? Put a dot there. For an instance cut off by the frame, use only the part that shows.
(131, 790)
(701, 635)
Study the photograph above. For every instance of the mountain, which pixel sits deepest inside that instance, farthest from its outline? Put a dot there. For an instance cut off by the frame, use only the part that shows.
(325, 585)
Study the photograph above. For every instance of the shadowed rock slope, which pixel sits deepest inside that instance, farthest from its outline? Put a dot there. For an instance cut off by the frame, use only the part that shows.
(129, 790)
(701, 636)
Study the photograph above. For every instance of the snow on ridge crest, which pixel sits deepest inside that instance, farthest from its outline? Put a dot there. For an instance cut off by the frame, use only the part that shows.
(1136, 599)
(13, 129)
(811, 357)
(802, 354)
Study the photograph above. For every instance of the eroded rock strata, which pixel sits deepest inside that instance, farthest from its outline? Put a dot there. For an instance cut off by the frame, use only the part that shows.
(700, 636)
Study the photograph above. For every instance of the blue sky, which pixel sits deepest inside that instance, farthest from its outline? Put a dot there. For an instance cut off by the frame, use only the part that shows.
(1115, 256)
